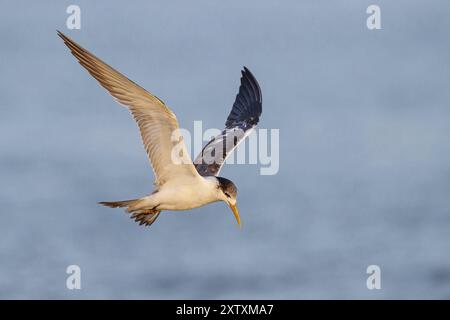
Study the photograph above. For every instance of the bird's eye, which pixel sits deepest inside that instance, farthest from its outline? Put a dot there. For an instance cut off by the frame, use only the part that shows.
(227, 195)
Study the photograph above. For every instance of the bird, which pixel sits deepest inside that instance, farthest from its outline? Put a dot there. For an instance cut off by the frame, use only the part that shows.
(180, 183)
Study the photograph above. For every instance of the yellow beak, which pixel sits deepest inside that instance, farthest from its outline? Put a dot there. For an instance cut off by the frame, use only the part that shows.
(236, 213)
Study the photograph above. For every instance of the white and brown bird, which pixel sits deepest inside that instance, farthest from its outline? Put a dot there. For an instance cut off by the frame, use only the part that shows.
(179, 183)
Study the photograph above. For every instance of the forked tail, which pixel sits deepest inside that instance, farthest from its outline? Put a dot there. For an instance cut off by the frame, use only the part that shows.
(144, 216)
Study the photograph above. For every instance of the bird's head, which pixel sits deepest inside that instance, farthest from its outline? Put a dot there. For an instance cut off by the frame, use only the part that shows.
(228, 194)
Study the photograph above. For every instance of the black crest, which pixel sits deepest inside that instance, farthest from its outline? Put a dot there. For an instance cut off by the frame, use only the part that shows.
(227, 186)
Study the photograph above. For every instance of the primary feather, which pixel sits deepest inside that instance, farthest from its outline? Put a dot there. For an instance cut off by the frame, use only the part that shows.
(243, 118)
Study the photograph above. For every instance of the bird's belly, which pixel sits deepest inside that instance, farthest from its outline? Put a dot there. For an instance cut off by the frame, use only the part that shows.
(185, 198)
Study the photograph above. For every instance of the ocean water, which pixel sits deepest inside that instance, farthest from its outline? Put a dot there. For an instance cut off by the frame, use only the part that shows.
(364, 150)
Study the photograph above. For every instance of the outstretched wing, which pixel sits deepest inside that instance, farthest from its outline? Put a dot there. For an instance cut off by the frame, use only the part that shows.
(157, 123)
(244, 116)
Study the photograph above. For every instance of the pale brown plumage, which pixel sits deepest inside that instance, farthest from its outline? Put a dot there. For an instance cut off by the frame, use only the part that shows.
(157, 123)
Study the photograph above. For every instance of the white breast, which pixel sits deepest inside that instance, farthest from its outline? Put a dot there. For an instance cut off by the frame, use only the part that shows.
(188, 194)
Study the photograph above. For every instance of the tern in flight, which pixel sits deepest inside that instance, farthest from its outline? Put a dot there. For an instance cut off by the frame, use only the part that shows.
(179, 185)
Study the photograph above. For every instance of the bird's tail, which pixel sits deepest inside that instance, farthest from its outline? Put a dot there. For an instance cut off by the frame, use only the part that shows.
(136, 208)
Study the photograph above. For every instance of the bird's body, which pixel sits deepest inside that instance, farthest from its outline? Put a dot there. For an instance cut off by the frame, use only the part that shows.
(179, 184)
(184, 195)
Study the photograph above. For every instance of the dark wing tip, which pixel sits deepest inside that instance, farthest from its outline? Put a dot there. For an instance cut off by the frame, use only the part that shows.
(249, 75)
(244, 116)
(61, 35)
(247, 107)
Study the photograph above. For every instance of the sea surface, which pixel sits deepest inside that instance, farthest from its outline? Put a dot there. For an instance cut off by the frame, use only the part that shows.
(364, 150)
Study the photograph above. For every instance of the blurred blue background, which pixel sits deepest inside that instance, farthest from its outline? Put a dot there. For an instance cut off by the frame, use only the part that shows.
(364, 151)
